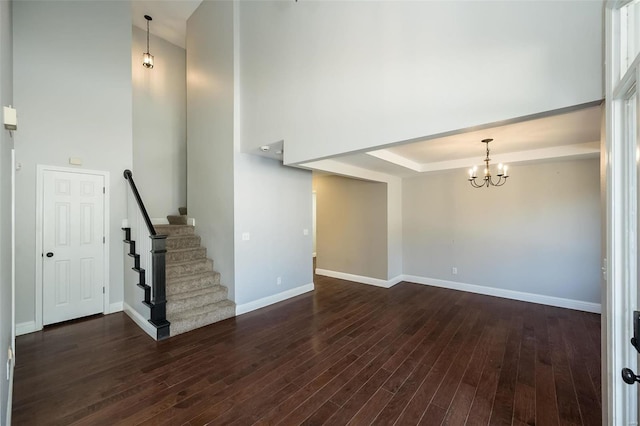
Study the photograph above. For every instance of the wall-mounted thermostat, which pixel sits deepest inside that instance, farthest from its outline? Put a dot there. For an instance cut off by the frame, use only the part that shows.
(10, 118)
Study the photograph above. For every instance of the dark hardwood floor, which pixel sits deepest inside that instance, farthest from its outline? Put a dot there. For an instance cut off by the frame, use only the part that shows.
(346, 353)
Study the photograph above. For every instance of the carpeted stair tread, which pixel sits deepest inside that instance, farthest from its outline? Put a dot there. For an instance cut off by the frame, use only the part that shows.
(190, 300)
(186, 283)
(185, 254)
(174, 230)
(199, 317)
(188, 268)
(216, 288)
(182, 241)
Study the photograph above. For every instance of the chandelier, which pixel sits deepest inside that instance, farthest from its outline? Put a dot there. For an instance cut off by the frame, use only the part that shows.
(147, 58)
(487, 180)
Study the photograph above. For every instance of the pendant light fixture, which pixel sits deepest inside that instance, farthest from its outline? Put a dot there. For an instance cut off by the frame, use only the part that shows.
(147, 58)
(487, 180)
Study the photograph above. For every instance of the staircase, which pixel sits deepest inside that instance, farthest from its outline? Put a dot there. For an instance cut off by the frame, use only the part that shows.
(195, 297)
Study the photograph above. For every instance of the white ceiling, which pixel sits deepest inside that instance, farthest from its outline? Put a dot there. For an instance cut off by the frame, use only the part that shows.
(169, 17)
(572, 134)
(568, 134)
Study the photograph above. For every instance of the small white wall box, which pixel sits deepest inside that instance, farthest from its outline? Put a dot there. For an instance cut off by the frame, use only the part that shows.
(10, 118)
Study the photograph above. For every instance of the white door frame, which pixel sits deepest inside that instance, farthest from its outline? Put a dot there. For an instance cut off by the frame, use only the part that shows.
(40, 169)
(620, 403)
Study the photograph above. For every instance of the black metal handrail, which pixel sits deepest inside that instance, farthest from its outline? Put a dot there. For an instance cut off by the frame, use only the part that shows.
(129, 176)
(155, 295)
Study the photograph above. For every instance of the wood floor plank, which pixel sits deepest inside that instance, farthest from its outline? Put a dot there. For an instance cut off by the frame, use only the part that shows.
(480, 411)
(345, 353)
(546, 401)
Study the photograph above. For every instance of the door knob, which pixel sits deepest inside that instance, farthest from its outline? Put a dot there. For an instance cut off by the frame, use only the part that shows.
(629, 376)
(49, 254)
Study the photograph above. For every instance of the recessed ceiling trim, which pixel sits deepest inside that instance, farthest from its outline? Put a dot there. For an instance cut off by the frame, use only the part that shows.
(396, 159)
(349, 170)
(575, 150)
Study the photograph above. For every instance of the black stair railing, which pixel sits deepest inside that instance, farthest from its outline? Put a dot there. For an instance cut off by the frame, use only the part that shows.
(155, 295)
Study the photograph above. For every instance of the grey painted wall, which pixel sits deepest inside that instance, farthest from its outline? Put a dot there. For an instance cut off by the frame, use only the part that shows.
(409, 68)
(352, 226)
(273, 204)
(159, 125)
(210, 153)
(6, 145)
(72, 87)
(540, 233)
(230, 193)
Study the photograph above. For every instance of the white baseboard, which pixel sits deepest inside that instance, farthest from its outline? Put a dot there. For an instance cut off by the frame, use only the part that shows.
(116, 307)
(25, 328)
(359, 278)
(270, 300)
(142, 322)
(560, 302)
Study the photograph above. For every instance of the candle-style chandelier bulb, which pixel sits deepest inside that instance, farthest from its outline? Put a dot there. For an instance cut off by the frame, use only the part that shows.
(487, 180)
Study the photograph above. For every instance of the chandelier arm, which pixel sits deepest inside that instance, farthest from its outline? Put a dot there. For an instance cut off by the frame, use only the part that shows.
(501, 181)
(474, 184)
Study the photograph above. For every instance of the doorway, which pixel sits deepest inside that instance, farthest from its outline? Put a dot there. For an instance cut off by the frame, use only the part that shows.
(71, 244)
(623, 155)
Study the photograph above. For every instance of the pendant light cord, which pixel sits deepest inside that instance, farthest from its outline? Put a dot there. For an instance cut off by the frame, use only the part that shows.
(147, 36)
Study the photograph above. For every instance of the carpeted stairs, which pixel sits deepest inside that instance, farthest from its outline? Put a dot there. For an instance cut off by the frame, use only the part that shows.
(195, 297)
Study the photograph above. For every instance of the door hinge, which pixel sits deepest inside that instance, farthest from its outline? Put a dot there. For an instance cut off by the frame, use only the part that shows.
(102, 290)
(104, 190)
(103, 240)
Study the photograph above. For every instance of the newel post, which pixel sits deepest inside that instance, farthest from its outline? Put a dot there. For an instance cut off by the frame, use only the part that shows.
(159, 300)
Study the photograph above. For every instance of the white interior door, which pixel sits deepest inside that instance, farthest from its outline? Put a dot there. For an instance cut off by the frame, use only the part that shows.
(72, 246)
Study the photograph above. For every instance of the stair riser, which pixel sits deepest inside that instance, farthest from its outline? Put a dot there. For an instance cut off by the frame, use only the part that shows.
(174, 230)
(198, 321)
(181, 305)
(180, 243)
(204, 265)
(177, 220)
(182, 286)
(184, 256)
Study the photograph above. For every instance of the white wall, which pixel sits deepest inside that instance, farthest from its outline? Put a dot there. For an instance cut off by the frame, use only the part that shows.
(231, 193)
(210, 153)
(159, 125)
(273, 204)
(352, 226)
(6, 145)
(540, 233)
(72, 88)
(333, 77)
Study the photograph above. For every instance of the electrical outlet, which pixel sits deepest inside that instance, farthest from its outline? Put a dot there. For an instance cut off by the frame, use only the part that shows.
(279, 281)
(305, 232)
(246, 236)
(454, 270)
